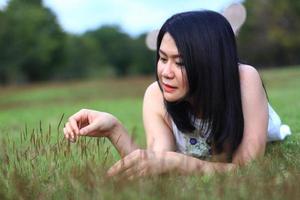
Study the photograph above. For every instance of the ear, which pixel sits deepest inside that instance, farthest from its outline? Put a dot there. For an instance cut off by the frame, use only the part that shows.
(151, 39)
(236, 15)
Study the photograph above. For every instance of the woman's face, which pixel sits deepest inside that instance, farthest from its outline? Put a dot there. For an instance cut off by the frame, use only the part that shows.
(171, 71)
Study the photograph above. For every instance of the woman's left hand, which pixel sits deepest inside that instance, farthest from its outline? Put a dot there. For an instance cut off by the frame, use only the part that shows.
(142, 163)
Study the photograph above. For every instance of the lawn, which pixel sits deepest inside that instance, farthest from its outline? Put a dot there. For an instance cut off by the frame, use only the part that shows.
(37, 163)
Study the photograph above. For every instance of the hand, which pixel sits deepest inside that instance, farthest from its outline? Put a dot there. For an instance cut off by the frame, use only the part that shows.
(141, 163)
(89, 123)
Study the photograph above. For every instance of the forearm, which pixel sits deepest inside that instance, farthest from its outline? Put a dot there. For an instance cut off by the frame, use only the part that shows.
(189, 165)
(122, 141)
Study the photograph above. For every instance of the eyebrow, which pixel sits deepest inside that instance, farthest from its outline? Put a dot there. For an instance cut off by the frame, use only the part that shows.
(172, 56)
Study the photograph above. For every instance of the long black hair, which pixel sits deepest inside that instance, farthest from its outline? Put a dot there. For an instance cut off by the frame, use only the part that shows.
(206, 43)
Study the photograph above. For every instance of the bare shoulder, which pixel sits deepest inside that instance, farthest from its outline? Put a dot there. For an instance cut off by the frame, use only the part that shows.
(251, 84)
(249, 76)
(248, 73)
(153, 97)
(153, 91)
(250, 80)
(153, 101)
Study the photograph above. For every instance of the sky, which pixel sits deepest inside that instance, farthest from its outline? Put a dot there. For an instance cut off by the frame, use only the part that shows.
(133, 16)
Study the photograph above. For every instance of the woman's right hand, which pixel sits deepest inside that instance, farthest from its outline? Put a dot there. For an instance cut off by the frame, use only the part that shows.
(89, 123)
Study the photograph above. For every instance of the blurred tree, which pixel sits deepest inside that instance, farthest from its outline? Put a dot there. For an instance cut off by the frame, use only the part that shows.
(2, 43)
(271, 34)
(33, 47)
(84, 57)
(31, 42)
(116, 47)
(143, 60)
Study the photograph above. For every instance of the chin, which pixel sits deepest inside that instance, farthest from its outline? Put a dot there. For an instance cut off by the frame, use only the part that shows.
(171, 98)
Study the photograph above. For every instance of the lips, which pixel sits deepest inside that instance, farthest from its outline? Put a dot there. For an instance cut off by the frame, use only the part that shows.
(168, 88)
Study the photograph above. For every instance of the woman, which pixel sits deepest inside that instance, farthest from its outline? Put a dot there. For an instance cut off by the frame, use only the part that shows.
(206, 112)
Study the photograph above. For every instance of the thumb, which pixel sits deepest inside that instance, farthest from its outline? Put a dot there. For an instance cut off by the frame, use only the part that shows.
(88, 129)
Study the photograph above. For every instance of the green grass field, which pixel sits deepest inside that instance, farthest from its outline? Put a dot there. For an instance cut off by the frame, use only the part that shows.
(37, 163)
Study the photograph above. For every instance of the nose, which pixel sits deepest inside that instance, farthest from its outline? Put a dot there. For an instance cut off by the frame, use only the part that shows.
(167, 71)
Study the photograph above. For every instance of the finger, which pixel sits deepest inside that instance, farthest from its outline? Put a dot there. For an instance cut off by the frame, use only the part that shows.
(117, 168)
(66, 134)
(88, 129)
(74, 126)
(125, 163)
(136, 175)
(70, 132)
(131, 171)
(80, 115)
(70, 127)
(135, 171)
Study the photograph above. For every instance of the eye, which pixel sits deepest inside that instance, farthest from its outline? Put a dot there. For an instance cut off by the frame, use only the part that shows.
(163, 60)
(180, 64)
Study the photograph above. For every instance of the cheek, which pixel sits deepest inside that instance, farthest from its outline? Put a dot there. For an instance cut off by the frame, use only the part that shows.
(159, 69)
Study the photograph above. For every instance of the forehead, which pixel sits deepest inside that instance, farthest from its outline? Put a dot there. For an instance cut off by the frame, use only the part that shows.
(168, 45)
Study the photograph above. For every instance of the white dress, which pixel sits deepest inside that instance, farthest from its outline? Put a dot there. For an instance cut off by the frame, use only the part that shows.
(195, 145)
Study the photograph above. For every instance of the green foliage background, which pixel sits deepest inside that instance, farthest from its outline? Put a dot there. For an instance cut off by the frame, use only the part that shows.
(33, 47)
(270, 36)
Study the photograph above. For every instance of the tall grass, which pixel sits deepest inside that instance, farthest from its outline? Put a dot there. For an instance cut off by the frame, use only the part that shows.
(38, 163)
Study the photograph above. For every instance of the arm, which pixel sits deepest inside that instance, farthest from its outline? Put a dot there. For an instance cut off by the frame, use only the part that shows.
(120, 138)
(255, 110)
(161, 160)
(99, 124)
(159, 135)
(157, 129)
(145, 163)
